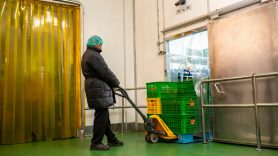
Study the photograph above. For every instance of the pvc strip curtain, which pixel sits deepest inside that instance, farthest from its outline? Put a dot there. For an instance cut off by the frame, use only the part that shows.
(39, 71)
(190, 53)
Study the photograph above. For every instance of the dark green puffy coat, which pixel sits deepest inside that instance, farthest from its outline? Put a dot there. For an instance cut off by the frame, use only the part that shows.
(99, 80)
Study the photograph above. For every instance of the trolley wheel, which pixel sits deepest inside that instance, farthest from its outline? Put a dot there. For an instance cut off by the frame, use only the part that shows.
(154, 138)
(148, 138)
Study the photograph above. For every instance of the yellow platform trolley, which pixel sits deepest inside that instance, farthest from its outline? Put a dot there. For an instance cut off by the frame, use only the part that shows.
(155, 128)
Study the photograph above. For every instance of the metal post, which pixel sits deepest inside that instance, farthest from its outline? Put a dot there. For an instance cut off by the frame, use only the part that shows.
(203, 114)
(123, 115)
(229, 105)
(124, 50)
(257, 117)
(134, 58)
(136, 115)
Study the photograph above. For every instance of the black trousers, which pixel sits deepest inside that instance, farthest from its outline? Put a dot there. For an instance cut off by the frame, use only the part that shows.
(102, 126)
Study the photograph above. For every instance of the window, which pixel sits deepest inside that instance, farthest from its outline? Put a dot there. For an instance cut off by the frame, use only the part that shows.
(188, 53)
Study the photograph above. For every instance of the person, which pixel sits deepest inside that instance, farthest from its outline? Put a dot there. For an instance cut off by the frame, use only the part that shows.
(99, 84)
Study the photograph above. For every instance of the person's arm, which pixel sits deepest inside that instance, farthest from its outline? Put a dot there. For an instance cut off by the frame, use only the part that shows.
(100, 67)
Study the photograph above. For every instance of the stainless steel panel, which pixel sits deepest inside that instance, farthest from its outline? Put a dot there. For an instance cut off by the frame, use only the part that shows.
(268, 93)
(242, 45)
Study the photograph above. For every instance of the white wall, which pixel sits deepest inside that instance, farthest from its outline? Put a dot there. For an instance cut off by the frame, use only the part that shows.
(198, 8)
(113, 21)
(150, 65)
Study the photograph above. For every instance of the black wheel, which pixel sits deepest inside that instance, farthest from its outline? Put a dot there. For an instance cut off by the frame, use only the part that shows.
(154, 138)
(148, 138)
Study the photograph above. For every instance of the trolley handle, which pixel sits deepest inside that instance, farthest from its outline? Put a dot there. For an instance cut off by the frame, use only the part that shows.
(125, 95)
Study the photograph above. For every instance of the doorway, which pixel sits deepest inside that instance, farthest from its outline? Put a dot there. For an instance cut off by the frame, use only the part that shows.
(188, 53)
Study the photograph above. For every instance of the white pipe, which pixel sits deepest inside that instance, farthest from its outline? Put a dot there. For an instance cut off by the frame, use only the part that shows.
(186, 23)
(124, 113)
(73, 2)
(134, 57)
(82, 80)
(65, 2)
(208, 6)
(124, 42)
(158, 25)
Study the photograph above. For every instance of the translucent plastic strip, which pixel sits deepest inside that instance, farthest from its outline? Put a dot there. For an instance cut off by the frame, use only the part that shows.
(52, 76)
(2, 64)
(71, 72)
(7, 129)
(45, 68)
(59, 67)
(28, 95)
(36, 74)
(17, 72)
(77, 82)
(25, 120)
(66, 107)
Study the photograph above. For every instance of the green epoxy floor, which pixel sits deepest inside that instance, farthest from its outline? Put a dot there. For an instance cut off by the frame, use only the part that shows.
(135, 145)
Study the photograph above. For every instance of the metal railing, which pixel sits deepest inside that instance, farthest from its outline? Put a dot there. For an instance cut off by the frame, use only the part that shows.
(123, 107)
(255, 103)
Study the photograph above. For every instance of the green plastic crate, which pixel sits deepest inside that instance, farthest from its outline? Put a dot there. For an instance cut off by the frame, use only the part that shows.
(180, 106)
(170, 89)
(162, 89)
(186, 88)
(199, 127)
(208, 113)
(186, 84)
(181, 124)
(189, 85)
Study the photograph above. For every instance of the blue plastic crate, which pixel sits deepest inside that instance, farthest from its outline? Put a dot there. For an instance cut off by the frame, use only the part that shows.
(185, 138)
(208, 136)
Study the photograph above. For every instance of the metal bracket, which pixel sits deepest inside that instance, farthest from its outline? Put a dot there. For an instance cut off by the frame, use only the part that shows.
(159, 43)
(161, 53)
(214, 15)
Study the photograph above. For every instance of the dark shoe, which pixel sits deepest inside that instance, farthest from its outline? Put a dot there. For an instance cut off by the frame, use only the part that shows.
(99, 147)
(115, 143)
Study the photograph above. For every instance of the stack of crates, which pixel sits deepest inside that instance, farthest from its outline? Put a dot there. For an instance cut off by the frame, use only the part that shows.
(178, 101)
(156, 91)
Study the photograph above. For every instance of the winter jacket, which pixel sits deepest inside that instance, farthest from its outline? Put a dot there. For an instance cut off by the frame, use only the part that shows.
(99, 80)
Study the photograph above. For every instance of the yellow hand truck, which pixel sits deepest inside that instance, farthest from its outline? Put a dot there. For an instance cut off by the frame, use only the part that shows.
(154, 126)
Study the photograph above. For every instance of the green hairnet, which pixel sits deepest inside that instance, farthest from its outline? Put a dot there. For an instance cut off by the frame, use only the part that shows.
(94, 40)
